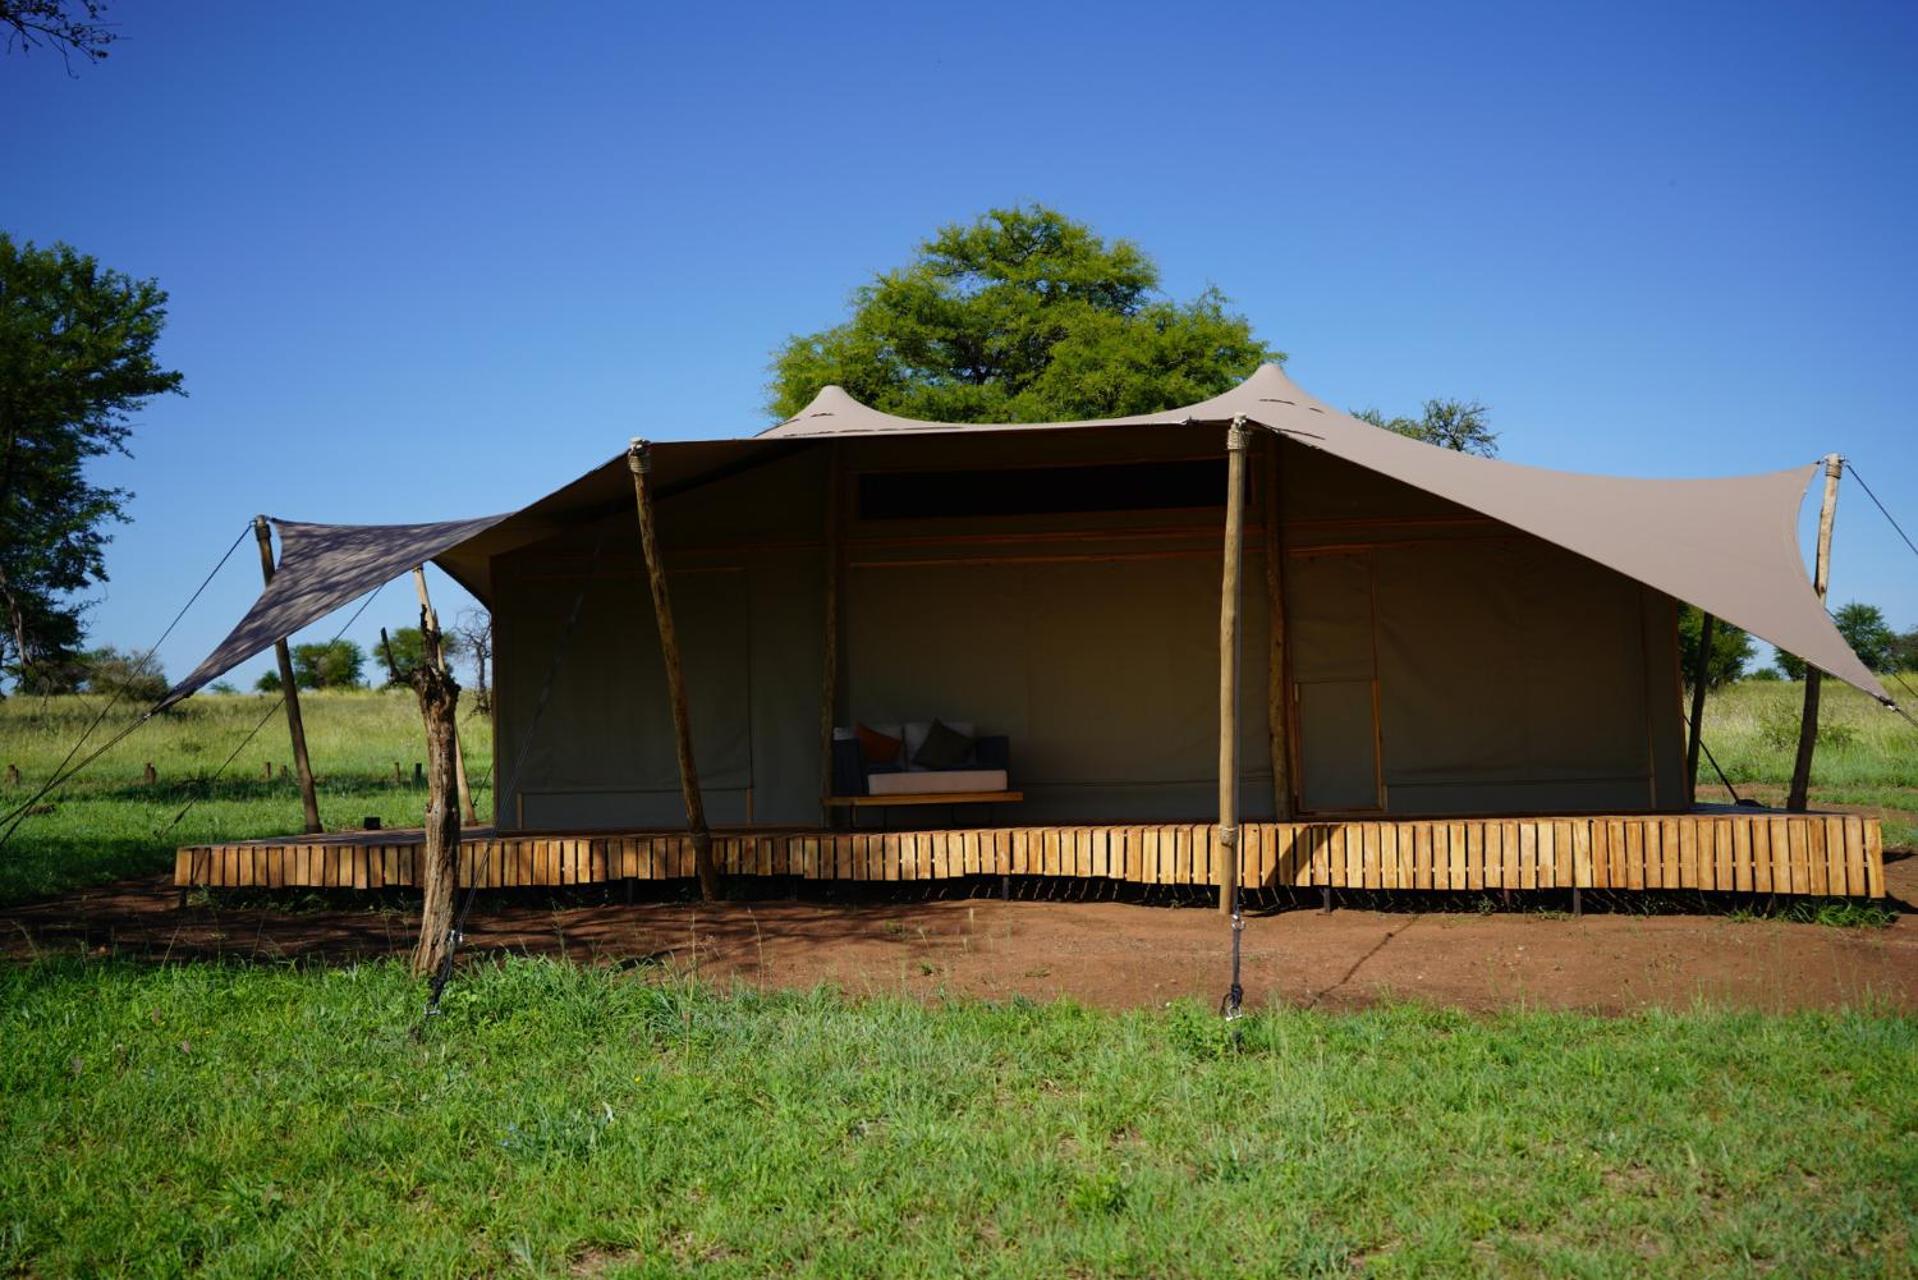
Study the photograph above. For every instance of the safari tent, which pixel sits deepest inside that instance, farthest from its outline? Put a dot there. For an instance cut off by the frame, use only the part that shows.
(1409, 640)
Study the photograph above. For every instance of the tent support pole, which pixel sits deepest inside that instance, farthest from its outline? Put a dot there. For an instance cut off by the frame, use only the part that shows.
(1796, 798)
(829, 675)
(296, 726)
(1275, 699)
(430, 623)
(1701, 672)
(1236, 439)
(639, 460)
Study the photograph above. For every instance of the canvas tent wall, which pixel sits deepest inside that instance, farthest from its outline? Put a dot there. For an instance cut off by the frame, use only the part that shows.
(1441, 662)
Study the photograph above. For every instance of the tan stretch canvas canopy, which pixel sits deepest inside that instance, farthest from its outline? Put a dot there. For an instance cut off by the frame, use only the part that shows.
(1729, 546)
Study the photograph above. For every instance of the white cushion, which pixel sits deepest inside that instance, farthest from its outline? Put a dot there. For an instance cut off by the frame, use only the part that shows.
(935, 781)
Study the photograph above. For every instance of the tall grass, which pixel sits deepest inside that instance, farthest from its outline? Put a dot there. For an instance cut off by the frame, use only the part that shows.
(1752, 729)
(108, 823)
(556, 1120)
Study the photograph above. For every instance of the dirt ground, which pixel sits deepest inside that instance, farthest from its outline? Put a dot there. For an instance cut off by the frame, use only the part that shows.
(1106, 953)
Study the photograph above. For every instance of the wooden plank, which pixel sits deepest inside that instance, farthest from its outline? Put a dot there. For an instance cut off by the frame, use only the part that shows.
(1369, 835)
(1581, 832)
(1857, 882)
(1874, 857)
(1547, 854)
(1800, 856)
(1513, 877)
(1457, 857)
(1815, 856)
(1475, 855)
(1634, 845)
(1742, 870)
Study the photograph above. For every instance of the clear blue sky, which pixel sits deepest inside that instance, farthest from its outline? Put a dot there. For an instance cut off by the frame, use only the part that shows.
(431, 261)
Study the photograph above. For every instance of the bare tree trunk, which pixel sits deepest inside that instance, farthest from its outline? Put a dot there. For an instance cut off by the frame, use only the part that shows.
(439, 861)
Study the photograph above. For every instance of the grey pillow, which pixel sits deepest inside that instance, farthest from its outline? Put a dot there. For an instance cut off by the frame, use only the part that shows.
(943, 748)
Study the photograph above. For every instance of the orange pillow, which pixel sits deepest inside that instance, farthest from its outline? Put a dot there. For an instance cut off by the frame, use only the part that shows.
(877, 747)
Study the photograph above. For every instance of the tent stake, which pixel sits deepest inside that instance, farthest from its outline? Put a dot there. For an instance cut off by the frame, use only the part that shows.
(309, 801)
(1236, 439)
(430, 622)
(639, 460)
(1701, 671)
(1795, 800)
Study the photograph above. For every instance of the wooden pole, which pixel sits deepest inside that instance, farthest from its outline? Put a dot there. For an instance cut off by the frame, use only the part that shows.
(639, 460)
(829, 678)
(296, 726)
(436, 646)
(1277, 726)
(1701, 673)
(1236, 440)
(1796, 798)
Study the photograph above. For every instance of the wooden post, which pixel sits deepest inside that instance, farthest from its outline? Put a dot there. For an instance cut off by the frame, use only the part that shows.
(829, 679)
(1701, 672)
(1795, 799)
(309, 800)
(639, 460)
(430, 626)
(1275, 691)
(1236, 439)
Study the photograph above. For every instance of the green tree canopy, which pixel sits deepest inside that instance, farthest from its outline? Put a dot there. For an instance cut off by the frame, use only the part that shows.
(1731, 649)
(338, 664)
(1865, 630)
(76, 359)
(1023, 315)
(409, 651)
(137, 677)
(1451, 424)
(1904, 654)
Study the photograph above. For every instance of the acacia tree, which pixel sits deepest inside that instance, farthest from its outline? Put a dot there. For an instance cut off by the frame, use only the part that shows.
(1461, 425)
(1731, 649)
(76, 359)
(1023, 315)
(75, 28)
(1864, 628)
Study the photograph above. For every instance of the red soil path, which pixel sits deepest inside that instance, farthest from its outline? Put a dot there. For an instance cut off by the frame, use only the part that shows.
(1103, 953)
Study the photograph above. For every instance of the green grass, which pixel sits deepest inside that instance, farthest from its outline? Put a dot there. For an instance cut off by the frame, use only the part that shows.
(1752, 727)
(259, 1121)
(107, 824)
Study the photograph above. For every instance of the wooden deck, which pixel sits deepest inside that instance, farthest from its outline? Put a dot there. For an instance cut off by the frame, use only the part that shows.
(1725, 851)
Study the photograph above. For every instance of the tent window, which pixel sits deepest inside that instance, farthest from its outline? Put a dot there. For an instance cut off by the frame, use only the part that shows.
(1024, 491)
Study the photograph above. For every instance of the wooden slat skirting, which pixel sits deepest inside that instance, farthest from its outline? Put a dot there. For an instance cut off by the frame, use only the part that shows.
(1824, 855)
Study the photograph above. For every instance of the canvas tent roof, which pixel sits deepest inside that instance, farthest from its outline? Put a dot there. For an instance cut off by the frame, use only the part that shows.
(1729, 546)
